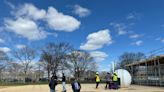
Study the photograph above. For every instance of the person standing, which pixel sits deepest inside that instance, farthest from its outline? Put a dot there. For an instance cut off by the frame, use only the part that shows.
(52, 84)
(64, 82)
(76, 86)
(108, 80)
(97, 79)
(115, 80)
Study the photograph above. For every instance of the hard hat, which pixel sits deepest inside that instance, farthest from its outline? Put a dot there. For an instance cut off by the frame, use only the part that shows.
(97, 72)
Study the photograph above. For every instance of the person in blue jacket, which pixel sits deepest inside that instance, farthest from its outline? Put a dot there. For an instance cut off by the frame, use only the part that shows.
(76, 86)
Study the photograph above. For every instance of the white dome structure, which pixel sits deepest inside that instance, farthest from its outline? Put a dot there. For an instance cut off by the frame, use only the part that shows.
(125, 77)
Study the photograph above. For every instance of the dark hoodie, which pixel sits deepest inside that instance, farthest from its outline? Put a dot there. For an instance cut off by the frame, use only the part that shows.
(52, 84)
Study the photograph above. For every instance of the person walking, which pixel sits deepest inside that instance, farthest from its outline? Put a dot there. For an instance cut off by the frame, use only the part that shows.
(97, 79)
(64, 82)
(52, 84)
(76, 86)
(108, 81)
(115, 80)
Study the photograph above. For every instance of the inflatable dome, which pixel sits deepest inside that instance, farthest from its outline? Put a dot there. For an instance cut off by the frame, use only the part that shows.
(125, 77)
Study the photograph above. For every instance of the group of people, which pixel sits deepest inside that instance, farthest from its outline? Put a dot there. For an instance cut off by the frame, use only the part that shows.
(76, 86)
(111, 82)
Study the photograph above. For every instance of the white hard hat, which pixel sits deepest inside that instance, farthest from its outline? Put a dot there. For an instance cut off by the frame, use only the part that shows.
(97, 72)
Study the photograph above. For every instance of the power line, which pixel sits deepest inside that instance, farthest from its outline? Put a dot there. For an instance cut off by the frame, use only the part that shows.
(156, 51)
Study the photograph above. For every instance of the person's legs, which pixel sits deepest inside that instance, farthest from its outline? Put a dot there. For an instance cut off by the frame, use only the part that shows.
(52, 90)
(106, 85)
(64, 86)
(115, 84)
(78, 90)
(97, 84)
(74, 91)
(109, 86)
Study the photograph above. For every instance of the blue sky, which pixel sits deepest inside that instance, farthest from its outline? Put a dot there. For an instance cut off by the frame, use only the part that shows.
(105, 28)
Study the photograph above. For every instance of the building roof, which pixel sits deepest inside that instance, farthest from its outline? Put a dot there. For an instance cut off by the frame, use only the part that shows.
(146, 61)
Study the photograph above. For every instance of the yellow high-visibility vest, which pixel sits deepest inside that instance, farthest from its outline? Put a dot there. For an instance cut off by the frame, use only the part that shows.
(115, 78)
(97, 78)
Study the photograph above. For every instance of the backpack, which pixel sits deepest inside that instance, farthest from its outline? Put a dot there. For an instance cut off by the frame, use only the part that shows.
(76, 84)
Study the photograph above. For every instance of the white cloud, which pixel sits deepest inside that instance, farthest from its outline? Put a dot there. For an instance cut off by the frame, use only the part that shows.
(138, 43)
(27, 20)
(135, 36)
(59, 21)
(157, 39)
(20, 46)
(56, 20)
(162, 40)
(131, 16)
(5, 49)
(1, 29)
(121, 32)
(120, 28)
(81, 11)
(98, 55)
(162, 25)
(97, 40)
(10, 4)
(2, 41)
(26, 28)
(30, 11)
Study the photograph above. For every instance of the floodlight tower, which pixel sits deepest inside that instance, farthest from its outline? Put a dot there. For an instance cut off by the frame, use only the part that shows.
(113, 66)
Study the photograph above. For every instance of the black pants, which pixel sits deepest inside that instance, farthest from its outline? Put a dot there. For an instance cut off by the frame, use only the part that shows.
(76, 90)
(115, 84)
(97, 84)
(107, 85)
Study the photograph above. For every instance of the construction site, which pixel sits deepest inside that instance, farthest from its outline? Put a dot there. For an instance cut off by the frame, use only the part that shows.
(148, 72)
(82, 46)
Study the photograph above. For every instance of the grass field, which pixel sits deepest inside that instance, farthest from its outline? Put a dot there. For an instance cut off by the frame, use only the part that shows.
(85, 88)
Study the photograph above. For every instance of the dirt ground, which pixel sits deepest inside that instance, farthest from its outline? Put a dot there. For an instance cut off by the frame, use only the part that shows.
(85, 88)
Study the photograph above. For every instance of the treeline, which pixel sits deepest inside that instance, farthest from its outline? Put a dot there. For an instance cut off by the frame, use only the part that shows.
(53, 58)
(28, 63)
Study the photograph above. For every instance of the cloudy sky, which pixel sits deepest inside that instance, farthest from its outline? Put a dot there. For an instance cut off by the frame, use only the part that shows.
(104, 28)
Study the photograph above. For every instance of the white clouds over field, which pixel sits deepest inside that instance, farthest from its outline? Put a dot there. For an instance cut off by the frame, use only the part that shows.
(97, 40)
(27, 19)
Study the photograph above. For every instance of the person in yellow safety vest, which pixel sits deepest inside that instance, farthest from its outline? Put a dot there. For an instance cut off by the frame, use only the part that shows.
(97, 79)
(115, 80)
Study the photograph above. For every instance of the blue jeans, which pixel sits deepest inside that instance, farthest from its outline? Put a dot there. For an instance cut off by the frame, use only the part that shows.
(52, 90)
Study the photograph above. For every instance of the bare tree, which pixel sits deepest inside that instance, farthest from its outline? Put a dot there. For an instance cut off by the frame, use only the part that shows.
(3, 59)
(128, 58)
(103, 75)
(37, 71)
(80, 62)
(14, 69)
(25, 56)
(54, 56)
(46, 62)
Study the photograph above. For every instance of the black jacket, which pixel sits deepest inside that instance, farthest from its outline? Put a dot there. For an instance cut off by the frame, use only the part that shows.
(63, 79)
(52, 84)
